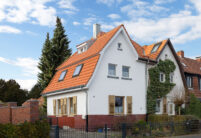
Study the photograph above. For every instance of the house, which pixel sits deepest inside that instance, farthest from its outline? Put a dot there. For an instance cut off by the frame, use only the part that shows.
(192, 71)
(106, 80)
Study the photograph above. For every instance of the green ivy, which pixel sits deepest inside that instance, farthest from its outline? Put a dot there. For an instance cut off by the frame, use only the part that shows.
(157, 89)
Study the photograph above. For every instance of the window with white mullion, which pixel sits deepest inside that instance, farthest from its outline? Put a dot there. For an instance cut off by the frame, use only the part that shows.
(111, 69)
(200, 83)
(162, 77)
(189, 81)
(125, 72)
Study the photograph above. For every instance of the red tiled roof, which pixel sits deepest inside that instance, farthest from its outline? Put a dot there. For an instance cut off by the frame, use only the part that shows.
(148, 49)
(192, 66)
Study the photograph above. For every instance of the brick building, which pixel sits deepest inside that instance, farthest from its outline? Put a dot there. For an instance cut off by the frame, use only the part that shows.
(192, 72)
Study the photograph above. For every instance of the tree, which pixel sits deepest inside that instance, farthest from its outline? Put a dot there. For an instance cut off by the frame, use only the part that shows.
(61, 50)
(10, 92)
(44, 65)
(35, 91)
(194, 107)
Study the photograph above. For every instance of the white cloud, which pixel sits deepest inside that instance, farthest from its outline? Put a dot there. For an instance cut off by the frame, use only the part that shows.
(27, 65)
(76, 23)
(34, 11)
(109, 2)
(67, 4)
(113, 16)
(163, 1)
(9, 29)
(107, 27)
(89, 21)
(26, 83)
(31, 33)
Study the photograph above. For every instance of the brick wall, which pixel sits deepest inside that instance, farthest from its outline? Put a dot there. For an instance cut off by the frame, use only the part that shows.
(196, 89)
(14, 114)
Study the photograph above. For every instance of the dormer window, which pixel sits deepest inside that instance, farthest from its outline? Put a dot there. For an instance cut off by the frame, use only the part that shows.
(77, 70)
(155, 47)
(119, 45)
(62, 75)
(183, 64)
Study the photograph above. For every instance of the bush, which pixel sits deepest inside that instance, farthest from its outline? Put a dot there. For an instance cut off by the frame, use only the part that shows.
(38, 129)
(166, 118)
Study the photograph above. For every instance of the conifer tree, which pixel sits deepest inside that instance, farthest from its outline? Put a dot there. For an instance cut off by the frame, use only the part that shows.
(60, 43)
(44, 65)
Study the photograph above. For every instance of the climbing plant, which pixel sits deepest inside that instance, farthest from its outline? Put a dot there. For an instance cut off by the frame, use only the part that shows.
(157, 89)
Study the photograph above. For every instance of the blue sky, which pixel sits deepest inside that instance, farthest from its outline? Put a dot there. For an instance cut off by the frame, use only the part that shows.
(24, 24)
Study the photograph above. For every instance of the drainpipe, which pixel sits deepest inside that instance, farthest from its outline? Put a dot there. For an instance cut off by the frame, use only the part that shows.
(146, 83)
(87, 121)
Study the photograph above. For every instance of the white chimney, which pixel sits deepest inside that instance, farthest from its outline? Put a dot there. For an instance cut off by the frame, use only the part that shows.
(96, 30)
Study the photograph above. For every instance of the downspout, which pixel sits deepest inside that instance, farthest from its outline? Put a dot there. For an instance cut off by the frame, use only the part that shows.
(87, 121)
(146, 83)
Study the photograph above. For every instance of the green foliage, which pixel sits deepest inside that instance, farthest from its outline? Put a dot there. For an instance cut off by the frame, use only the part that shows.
(35, 91)
(167, 118)
(10, 91)
(194, 107)
(54, 52)
(157, 89)
(38, 129)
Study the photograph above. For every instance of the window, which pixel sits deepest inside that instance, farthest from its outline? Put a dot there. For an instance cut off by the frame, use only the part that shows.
(119, 102)
(158, 105)
(200, 83)
(171, 77)
(71, 105)
(62, 76)
(77, 70)
(171, 108)
(189, 81)
(125, 72)
(183, 64)
(162, 77)
(111, 69)
(155, 47)
(59, 107)
(119, 46)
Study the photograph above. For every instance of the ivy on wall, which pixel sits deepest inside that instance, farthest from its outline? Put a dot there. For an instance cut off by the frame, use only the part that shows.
(157, 89)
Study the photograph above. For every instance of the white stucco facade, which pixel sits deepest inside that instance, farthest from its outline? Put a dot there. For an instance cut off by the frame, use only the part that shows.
(102, 86)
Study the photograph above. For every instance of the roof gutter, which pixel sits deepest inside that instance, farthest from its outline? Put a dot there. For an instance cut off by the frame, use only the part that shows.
(68, 90)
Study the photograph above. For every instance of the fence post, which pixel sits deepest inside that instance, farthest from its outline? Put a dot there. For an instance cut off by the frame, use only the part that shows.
(56, 131)
(123, 130)
(150, 125)
(105, 130)
(172, 127)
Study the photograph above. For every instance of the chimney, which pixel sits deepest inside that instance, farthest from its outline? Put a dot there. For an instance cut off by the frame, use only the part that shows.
(96, 30)
(180, 54)
(198, 59)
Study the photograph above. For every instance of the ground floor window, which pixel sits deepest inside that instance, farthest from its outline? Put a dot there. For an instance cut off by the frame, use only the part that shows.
(158, 105)
(65, 106)
(119, 102)
(171, 108)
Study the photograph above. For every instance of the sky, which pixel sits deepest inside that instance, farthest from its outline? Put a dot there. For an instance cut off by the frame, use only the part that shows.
(24, 24)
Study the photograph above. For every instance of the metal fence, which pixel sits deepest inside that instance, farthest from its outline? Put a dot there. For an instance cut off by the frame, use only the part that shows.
(130, 130)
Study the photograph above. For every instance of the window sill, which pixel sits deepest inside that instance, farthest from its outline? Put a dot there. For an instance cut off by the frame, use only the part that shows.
(124, 78)
(120, 49)
(114, 77)
(190, 88)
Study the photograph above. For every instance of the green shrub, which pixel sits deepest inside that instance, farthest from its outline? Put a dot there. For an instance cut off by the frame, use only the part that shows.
(38, 129)
(166, 118)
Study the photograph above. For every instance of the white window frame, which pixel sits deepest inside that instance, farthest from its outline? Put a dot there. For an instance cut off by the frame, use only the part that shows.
(158, 107)
(189, 82)
(119, 46)
(115, 70)
(163, 74)
(123, 98)
(173, 108)
(171, 77)
(123, 71)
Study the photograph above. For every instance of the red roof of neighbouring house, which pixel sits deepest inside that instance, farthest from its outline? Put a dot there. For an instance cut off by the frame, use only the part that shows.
(191, 66)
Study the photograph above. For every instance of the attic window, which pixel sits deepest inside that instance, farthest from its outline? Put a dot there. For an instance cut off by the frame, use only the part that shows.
(77, 70)
(119, 46)
(155, 47)
(62, 76)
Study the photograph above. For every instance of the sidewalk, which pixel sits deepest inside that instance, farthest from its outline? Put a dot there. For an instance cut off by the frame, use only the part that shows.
(187, 136)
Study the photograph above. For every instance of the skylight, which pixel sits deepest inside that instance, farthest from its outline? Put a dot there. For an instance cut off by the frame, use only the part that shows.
(77, 70)
(183, 64)
(62, 76)
(155, 47)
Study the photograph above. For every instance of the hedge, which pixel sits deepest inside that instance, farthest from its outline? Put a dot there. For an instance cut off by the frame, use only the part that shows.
(38, 129)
